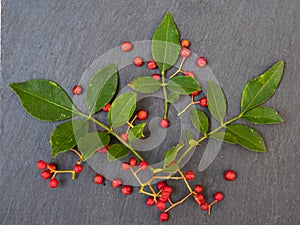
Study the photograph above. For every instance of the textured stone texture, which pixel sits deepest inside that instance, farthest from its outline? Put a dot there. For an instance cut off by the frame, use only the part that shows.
(58, 40)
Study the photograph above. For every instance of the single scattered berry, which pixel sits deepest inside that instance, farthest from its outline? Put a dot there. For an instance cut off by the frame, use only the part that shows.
(103, 149)
(150, 201)
(203, 102)
(143, 165)
(46, 174)
(167, 188)
(201, 62)
(185, 52)
(77, 90)
(125, 166)
(198, 189)
(138, 61)
(160, 205)
(218, 196)
(161, 184)
(126, 46)
(51, 166)
(189, 74)
(164, 216)
(126, 190)
(156, 76)
(124, 137)
(53, 183)
(195, 93)
(142, 115)
(106, 108)
(116, 183)
(132, 161)
(98, 179)
(185, 43)
(164, 123)
(41, 165)
(230, 175)
(152, 65)
(204, 206)
(77, 168)
(189, 175)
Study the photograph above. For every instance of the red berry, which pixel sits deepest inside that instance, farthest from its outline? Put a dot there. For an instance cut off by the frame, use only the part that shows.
(77, 168)
(142, 115)
(199, 198)
(167, 188)
(51, 166)
(189, 74)
(138, 61)
(160, 185)
(125, 166)
(164, 196)
(156, 76)
(204, 206)
(124, 137)
(143, 165)
(132, 161)
(230, 175)
(53, 183)
(46, 174)
(195, 93)
(160, 205)
(77, 90)
(218, 196)
(126, 190)
(164, 216)
(150, 201)
(116, 183)
(164, 123)
(151, 65)
(103, 149)
(98, 179)
(106, 108)
(185, 43)
(126, 46)
(189, 175)
(203, 102)
(198, 189)
(41, 165)
(201, 61)
(185, 52)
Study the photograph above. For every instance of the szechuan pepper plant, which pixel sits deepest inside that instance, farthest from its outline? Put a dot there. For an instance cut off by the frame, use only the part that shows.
(47, 101)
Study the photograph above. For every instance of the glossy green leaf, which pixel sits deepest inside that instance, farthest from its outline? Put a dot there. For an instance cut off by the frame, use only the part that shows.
(262, 115)
(66, 135)
(216, 101)
(117, 151)
(172, 168)
(188, 136)
(122, 109)
(173, 97)
(171, 154)
(166, 43)
(247, 137)
(91, 142)
(136, 132)
(145, 85)
(44, 100)
(224, 136)
(261, 88)
(101, 88)
(183, 85)
(199, 120)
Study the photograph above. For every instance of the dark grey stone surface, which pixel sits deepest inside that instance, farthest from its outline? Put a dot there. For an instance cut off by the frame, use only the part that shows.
(58, 40)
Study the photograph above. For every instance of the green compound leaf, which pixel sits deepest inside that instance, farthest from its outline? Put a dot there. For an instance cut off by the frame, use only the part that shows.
(121, 109)
(44, 100)
(101, 88)
(183, 85)
(216, 101)
(224, 136)
(136, 132)
(173, 97)
(65, 135)
(117, 151)
(261, 88)
(247, 137)
(91, 142)
(145, 84)
(171, 154)
(262, 115)
(166, 43)
(199, 120)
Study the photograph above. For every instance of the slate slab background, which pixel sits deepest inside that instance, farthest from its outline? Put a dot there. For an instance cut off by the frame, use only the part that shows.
(58, 40)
